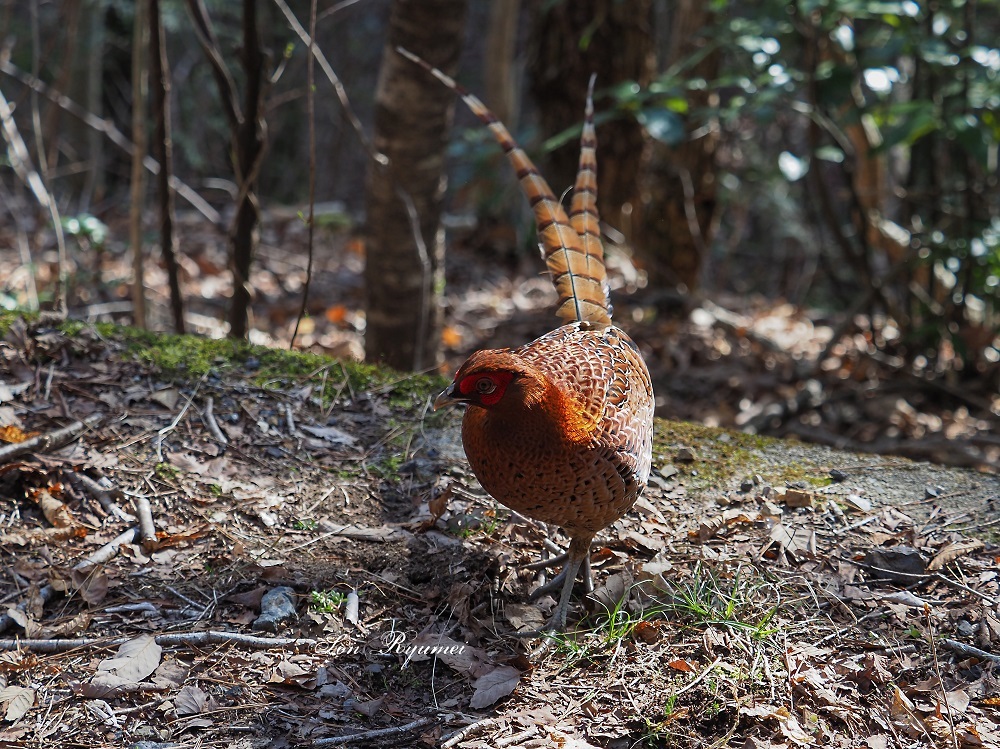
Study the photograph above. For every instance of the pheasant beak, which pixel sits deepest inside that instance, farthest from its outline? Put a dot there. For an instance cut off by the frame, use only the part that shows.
(447, 398)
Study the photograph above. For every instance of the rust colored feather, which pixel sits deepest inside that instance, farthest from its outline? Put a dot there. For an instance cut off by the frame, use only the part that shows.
(576, 262)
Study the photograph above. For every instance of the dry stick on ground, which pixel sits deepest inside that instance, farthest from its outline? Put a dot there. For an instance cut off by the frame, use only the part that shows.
(161, 435)
(920, 577)
(99, 557)
(212, 424)
(473, 729)
(172, 639)
(937, 672)
(113, 134)
(106, 552)
(375, 735)
(147, 529)
(50, 440)
(969, 651)
(103, 495)
(45, 593)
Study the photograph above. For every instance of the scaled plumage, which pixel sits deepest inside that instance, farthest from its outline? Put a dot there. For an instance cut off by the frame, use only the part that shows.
(560, 429)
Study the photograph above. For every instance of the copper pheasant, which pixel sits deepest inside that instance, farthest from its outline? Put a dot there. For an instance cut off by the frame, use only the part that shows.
(560, 429)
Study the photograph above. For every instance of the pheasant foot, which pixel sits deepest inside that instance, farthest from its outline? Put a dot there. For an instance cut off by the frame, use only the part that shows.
(578, 556)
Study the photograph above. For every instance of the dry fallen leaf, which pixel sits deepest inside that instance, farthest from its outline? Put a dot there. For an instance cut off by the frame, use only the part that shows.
(54, 510)
(16, 701)
(495, 685)
(14, 434)
(190, 700)
(136, 659)
(91, 584)
(952, 551)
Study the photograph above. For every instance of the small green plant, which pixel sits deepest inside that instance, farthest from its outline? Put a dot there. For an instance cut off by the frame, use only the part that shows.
(708, 598)
(166, 472)
(326, 601)
(656, 732)
(305, 524)
(619, 623)
(215, 490)
(482, 523)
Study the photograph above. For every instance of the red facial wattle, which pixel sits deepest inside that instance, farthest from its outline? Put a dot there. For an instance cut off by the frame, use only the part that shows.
(485, 388)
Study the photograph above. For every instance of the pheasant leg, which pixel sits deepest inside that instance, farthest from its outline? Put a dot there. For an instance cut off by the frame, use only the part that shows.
(556, 583)
(578, 556)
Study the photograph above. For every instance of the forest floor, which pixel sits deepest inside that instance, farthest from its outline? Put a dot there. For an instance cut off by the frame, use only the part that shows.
(315, 530)
(323, 570)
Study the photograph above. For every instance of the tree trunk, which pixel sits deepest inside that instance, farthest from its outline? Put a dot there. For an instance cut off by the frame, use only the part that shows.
(570, 40)
(138, 181)
(249, 142)
(501, 45)
(404, 272)
(163, 152)
(679, 189)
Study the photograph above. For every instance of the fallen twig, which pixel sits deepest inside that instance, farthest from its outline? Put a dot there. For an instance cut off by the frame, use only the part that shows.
(470, 730)
(969, 651)
(107, 551)
(211, 637)
(45, 593)
(377, 734)
(49, 441)
(212, 424)
(691, 684)
(918, 577)
(104, 496)
(147, 529)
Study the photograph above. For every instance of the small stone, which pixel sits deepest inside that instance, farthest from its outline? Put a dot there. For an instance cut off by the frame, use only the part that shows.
(770, 508)
(965, 628)
(932, 492)
(857, 502)
(668, 471)
(685, 455)
(901, 564)
(277, 607)
(758, 479)
(838, 475)
(746, 486)
(799, 498)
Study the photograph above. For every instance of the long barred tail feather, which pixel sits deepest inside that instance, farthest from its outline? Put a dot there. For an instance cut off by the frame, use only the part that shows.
(572, 249)
(583, 213)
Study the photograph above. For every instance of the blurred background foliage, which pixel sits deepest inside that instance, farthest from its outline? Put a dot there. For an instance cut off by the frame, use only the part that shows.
(839, 154)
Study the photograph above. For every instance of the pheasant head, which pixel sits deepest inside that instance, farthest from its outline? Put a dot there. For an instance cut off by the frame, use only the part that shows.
(496, 380)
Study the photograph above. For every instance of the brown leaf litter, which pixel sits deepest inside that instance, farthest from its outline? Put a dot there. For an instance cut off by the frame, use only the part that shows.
(859, 609)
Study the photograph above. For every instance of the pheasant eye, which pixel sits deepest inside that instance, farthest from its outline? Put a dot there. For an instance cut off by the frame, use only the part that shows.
(485, 386)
